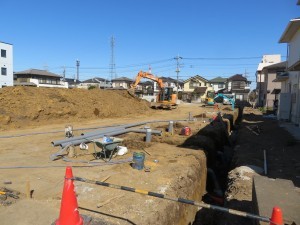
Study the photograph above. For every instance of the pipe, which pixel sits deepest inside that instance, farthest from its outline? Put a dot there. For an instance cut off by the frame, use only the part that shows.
(87, 135)
(114, 133)
(90, 134)
(265, 162)
(170, 128)
(148, 135)
(217, 188)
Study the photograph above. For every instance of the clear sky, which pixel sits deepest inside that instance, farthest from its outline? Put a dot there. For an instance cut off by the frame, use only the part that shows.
(53, 34)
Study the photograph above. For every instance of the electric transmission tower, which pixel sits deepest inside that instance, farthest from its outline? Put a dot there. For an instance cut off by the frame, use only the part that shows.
(112, 60)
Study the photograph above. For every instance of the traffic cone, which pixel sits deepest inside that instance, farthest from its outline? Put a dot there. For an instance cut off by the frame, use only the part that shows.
(69, 214)
(276, 218)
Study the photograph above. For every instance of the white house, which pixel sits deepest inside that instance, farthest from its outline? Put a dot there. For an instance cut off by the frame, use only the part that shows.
(289, 99)
(261, 79)
(39, 78)
(6, 65)
(218, 83)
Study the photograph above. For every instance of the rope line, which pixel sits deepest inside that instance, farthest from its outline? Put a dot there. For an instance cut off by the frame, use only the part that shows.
(182, 200)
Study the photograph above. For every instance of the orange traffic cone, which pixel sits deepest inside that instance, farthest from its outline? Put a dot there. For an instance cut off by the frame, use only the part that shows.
(69, 214)
(276, 218)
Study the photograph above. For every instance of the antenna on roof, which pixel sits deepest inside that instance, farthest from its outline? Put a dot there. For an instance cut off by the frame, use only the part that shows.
(150, 69)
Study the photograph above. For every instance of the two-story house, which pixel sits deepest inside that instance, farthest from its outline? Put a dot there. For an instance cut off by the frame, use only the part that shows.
(195, 89)
(238, 86)
(261, 81)
(289, 100)
(121, 82)
(270, 90)
(6, 65)
(97, 82)
(218, 83)
(39, 78)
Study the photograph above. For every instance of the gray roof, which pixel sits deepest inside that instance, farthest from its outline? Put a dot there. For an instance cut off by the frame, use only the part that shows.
(281, 65)
(94, 80)
(37, 72)
(122, 79)
(196, 77)
(218, 80)
(5, 43)
(237, 77)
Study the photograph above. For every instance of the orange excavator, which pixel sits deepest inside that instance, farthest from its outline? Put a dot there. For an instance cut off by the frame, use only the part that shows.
(165, 99)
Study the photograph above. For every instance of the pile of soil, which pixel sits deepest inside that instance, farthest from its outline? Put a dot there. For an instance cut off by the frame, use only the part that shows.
(30, 106)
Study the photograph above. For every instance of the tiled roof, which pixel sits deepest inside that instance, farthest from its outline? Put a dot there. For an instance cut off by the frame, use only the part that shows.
(94, 80)
(218, 80)
(277, 65)
(37, 72)
(122, 79)
(237, 77)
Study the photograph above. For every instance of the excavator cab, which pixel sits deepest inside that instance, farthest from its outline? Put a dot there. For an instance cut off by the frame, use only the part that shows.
(165, 94)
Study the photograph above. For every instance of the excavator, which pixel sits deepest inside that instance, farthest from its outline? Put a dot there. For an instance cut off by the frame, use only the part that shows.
(213, 98)
(165, 99)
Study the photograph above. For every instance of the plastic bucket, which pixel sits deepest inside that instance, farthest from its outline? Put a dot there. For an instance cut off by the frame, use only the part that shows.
(138, 160)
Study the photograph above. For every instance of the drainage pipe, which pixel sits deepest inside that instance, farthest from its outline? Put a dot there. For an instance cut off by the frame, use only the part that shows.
(113, 133)
(89, 134)
(120, 127)
(217, 188)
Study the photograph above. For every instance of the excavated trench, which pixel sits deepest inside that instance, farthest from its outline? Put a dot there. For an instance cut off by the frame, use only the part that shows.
(217, 140)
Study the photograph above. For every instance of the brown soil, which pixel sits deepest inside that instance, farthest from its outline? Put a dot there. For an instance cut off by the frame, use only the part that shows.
(177, 163)
(30, 106)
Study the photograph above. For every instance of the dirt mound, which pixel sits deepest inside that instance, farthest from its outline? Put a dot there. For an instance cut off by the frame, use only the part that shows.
(25, 106)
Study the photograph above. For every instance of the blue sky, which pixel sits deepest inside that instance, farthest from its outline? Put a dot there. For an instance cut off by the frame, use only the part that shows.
(53, 34)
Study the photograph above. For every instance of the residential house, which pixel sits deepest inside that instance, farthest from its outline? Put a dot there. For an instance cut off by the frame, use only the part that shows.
(238, 86)
(261, 81)
(71, 82)
(38, 78)
(270, 90)
(121, 83)
(195, 89)
(289, 100)
(98, 82)
(6, 65)
(170, 82)
(218, 83)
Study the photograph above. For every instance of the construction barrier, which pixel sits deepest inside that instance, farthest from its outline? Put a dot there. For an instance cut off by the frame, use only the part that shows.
(69, 213)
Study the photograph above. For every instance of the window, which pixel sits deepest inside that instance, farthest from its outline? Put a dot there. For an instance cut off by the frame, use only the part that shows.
(3, 53)
(3, 71)
(220, 85)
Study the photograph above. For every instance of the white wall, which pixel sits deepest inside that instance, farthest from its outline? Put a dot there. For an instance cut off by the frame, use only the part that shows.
(294, 77)
(294, 53)
(7, 63)
(216, 87)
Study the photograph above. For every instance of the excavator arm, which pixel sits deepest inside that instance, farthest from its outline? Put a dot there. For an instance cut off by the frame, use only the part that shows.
(149, 76)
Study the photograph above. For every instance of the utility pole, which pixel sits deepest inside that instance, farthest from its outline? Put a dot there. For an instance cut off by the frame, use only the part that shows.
(246, 74)
(177, 71)
(77, 65)
(64, 73)
(112, 60)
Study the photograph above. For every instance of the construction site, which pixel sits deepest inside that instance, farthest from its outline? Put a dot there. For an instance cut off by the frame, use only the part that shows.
(77, 156)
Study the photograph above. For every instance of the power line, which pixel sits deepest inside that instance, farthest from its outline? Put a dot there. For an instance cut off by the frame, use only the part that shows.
(225, 58)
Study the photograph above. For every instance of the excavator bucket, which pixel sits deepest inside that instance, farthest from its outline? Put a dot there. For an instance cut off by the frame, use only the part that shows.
(131, 92)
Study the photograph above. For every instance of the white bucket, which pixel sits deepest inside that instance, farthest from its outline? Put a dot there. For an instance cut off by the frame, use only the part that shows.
(122, 150)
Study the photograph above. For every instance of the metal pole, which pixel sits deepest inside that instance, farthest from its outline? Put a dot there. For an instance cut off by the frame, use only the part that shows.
(77, 65)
